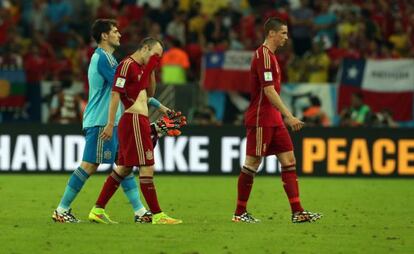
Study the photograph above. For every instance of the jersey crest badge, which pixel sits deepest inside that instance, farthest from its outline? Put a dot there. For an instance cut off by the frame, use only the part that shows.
(107, 155)
(149, 155)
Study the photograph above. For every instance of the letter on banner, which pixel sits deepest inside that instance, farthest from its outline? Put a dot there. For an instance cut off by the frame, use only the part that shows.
(5, 152)
(314, 150)
(24, 154)
(196, 153)
(359, 157)
(72, 159)
(49, 153)
(174, 153)
(229, 152)
(406, 156)
(381, 165)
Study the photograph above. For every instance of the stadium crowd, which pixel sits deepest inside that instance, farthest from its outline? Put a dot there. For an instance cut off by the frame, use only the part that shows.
(54, 34)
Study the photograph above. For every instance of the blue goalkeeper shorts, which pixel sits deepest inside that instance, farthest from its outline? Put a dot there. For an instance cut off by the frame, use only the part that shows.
(97, 150)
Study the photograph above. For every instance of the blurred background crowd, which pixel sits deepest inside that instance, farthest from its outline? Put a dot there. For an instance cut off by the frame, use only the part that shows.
(50, 41)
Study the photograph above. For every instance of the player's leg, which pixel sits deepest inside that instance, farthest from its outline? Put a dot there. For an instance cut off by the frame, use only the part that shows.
(146, 179)
(92, 156)
(284, 151)
(289, 179)
(98, 214)
(130, 187)
(244, 187)
(255, 149)
(76, 181)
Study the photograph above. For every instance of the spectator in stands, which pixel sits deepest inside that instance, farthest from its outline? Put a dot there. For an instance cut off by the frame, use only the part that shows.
(234, 42)
(35, 66)
(66, 105)
(195, 53)
(162, 15)
(348, 27)
(58, 15)
(174, 64)
(358, 114)
(399, 39)
(176, 28)
(37, 16)
(197, 22)
(214, 31)
(314, 115)
(382, 118)
(301, 31)
(205, 116)
(11, 59)
(317, 63)
(325, 24)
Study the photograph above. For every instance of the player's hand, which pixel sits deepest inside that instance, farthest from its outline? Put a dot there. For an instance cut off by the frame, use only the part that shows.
(176, 118)
(170, 124)
(107, 132)
(154, 60)
(294, 123)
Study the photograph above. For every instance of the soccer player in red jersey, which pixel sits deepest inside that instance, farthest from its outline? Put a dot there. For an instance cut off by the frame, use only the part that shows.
(266, 132)
(133, 86)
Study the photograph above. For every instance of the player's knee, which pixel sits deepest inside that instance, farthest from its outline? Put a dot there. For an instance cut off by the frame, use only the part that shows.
(146, 170)
(289, 165)
(123, 171)
(252, 162)
(89, 168)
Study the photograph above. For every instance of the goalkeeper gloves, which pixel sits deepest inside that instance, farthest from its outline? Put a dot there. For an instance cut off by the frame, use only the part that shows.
(169, 124)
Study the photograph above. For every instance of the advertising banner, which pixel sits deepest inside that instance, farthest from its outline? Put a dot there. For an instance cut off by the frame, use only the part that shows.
(220, 151)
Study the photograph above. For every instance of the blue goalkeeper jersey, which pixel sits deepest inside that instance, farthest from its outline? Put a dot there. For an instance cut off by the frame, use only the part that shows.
(101, 73)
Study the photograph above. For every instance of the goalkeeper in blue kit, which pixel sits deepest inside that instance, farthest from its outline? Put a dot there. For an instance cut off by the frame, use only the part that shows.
(101, 72)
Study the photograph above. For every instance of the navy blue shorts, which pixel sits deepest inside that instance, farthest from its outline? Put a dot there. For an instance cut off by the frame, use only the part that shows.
(97, 150)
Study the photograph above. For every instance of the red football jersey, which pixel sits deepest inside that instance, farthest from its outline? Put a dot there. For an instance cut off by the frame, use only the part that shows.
(129, 80)
(264, 71)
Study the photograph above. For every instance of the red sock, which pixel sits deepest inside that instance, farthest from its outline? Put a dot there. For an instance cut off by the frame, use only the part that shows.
(244, 187)
(109, 188)
(150, 194)
(290, 184)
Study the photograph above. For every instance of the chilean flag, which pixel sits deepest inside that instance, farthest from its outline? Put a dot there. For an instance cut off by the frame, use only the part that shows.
(227, 71)
(384, 84)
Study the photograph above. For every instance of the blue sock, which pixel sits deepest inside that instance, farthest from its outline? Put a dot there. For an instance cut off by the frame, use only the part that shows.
(130, 187)
(75, 184)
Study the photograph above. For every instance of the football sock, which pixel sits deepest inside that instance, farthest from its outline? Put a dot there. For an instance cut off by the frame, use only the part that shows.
(149, 192)
(130, 187)
(111, 185)
(244, 187)
(75, 184)
(290, 184)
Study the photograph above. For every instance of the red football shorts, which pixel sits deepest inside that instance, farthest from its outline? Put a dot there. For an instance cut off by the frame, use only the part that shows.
(135, 144)
(264, 141)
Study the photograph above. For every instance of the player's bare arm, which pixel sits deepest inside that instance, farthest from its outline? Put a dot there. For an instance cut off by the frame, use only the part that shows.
(113, 107)
(274, 98)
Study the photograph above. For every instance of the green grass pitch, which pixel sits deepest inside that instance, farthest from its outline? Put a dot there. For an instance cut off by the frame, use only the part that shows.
(360, 216)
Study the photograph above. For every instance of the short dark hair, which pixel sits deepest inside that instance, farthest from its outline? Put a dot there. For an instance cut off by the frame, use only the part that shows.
(273, 24)
(150, 41)
(102, 26)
